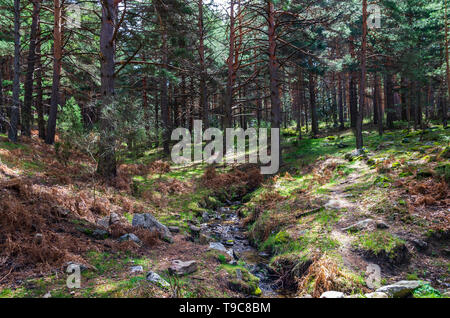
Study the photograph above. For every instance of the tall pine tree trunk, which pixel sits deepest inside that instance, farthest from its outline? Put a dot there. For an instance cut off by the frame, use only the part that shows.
(107, 159)
(362, 82)
(12, 135)
(28, 98)
(39, 94)
(274, 72)
(57, 57)
(203, 71)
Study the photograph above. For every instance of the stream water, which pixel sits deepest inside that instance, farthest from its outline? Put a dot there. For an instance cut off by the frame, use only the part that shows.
(225, 227)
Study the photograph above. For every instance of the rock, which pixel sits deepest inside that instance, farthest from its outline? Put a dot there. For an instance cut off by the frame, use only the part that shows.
(307, 296)
(103, 222)
(377, 295)
(195, 230)
(361, 225)
(332, 294)
(47, 295)
(154, 278)
(335, 205)
(181, 268)
(149, 222)
(217, 246)
(174, 229)
(223, 210)
(446, 294)
(353, 296)
(107, 221)
(205, 217)
(204, 239)
(419, 244)
(130, 237)
(100, 234)
(229, 243)
(136, 269)
(355, 154)
(114, 218)
(400, 289)
(38, 238)
(382, 225)
(239, 273)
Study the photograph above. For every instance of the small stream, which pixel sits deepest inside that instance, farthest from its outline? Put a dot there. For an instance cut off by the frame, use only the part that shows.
(225, 227)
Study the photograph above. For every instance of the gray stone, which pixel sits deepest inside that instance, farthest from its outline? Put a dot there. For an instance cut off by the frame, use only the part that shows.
(400, 289)
(149, 222)
(136, 269)
(217, 246)
(359, 226)
(174, 229)
(332, 294)
(238, 273)
(103, 222)
(307, 296)
(114, 218)
(195, 230)
(382, 225)
(419, 244)
(47, 295)
(100, 234)
(205, 217)
(229, 243)
(377, 295)
(130, 237)
(155, 279)
(181, 268)
(446, 294)
(38, 238)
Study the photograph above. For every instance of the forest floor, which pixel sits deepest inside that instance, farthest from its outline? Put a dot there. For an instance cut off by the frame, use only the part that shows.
(304, 221)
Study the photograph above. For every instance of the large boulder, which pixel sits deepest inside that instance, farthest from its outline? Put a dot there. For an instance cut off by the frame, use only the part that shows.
(181, 268)
(400, 289)
(149, 222)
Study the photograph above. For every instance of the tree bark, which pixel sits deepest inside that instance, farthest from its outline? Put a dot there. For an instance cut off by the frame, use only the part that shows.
(39, 94)
(203, 71)
(57, 57)
(28, 98)
(12, 135)
(107, 159)
(362, 84)
(444, 112)
(312, 103)
(274, 72)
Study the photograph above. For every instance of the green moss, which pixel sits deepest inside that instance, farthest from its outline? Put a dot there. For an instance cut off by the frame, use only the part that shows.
(379, 242)
(247, 284)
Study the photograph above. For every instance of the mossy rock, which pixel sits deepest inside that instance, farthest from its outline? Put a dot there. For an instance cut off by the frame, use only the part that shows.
(244, 283)
(220, 257)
